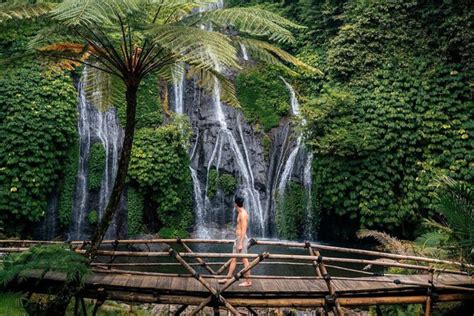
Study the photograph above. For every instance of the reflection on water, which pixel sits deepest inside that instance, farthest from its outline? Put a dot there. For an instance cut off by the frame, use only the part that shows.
(274, 267)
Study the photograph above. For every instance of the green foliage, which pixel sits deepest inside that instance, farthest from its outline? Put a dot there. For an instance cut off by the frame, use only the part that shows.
(172, 232)
(96, 166)
(92, 217)
(135, 212)
(37, 127)
(263, 97)
(10, 304)
(291, 212)
(379, 154)
(54, 258)
(375, 31)
(225, 181)
(398, 310)
(149, 112)
(403, 116)
(68, 185)
(452, 231)
(159, 165)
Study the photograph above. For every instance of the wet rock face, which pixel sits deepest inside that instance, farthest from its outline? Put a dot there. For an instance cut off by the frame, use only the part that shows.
(236, 149)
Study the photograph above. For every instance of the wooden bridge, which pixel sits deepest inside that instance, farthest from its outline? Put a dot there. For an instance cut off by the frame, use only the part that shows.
(169, 271)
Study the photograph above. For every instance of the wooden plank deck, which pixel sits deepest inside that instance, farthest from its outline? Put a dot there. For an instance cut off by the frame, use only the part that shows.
(265, 287)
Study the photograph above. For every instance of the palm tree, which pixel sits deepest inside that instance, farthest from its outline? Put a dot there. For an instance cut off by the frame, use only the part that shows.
(124, 41)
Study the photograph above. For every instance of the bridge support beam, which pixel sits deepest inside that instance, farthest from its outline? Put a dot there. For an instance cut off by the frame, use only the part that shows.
(200, 260)
(331, 301)
(180, 310)
(213, 291)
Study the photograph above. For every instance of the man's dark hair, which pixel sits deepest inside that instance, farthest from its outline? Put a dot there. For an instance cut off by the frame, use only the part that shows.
(239, 201)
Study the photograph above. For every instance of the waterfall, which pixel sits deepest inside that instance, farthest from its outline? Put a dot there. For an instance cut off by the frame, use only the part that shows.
(308, 185)
(80, 204)
(241, 156)
(290, 164)
(109, 133)
(178, 87)
(245, 54)
(94, 126)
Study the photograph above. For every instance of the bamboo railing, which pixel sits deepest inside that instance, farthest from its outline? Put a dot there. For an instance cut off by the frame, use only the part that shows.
(331, 302)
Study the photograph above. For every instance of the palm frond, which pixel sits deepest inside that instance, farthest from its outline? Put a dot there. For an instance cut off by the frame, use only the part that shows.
(248, 20)
(24, 9)
(389, 243)
(273, 55)
(195, 46)
(102, 90)
(456, 205)
(92, 12)
(210, 80)
(164, 11)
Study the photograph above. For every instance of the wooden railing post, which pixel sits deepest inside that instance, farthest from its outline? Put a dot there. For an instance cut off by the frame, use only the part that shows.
(234, 279)
(429, 300)
(198, 277)
(252, 242)
(201, 261)
(330, 299)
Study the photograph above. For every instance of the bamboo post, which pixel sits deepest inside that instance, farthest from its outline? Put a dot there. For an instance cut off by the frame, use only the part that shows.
(252, 312)
(252, 242)
(234, 279)
(428, 297)
(315, 263)
(333, 297)
(198, 259)
(196, 275)
(242, 272)
(180, 310)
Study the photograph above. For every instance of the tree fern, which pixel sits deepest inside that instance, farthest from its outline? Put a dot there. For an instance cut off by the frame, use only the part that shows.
(252, 21)
(43, 258)
(23, 9)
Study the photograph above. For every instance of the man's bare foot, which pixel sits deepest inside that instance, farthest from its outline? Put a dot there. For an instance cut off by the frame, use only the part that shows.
(223, 281)
(245, 284)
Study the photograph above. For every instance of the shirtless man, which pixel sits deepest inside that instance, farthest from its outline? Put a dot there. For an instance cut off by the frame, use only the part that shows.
(241, 242)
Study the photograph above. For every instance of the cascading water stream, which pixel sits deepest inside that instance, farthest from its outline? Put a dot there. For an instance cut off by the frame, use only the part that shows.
(245, 54)
(178, 87)
(93, 126)
(79, 211)
(290, 164)
(110, 135)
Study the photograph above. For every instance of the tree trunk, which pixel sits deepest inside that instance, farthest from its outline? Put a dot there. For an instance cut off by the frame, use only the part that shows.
(114, 201)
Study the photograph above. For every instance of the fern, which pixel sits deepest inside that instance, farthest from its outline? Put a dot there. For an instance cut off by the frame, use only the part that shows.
(252, 21)
(456, 207)
(44, 258)
(388, 242)
(196, 46)
(24, 9)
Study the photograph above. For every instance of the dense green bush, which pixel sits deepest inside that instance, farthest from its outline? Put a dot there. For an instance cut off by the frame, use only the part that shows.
(224, 181)
(68, 185)
(263, 97)
(96, 166)
(135, 212)
(37, 126)
(403, 117)
(160, 167)
(291, 210)
(92, 217)
(149, 112)
(379, 147)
